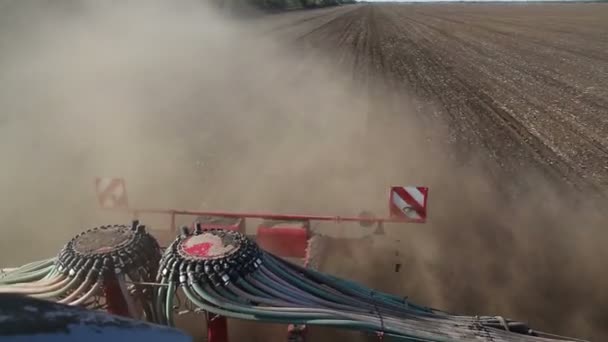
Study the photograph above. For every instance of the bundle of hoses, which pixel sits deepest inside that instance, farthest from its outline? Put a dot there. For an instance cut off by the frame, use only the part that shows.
(80, 273)
(225, 273)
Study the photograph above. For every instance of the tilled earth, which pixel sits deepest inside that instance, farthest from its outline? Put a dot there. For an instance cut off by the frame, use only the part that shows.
(524, 86)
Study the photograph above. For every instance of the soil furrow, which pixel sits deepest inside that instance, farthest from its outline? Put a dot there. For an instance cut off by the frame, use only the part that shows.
(522, 91)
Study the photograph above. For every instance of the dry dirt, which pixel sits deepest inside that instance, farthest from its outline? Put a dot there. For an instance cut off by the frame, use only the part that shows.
(501, 109)
(524, 84)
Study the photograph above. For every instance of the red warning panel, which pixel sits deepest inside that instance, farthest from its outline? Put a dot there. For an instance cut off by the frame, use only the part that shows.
(408, 202)
(287, 239)
(111, 193)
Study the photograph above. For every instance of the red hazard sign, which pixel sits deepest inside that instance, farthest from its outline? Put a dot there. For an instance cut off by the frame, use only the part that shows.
(111, 193)
(408, 202)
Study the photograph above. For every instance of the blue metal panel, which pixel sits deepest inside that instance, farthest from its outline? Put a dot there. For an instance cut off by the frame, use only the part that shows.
(33, 320)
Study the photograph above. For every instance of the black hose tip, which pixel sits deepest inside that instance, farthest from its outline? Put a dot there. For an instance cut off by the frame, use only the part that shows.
(141, 229)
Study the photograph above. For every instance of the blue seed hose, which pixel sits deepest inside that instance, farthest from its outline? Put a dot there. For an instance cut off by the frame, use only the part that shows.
(76, 276)
(225, 273)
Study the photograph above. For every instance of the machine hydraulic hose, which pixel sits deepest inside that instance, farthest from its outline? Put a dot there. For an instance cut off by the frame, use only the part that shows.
(120, 268)
(225, 273)
(94, 269)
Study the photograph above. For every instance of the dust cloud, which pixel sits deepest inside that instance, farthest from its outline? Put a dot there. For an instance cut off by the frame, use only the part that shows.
(198, 110)
(192, 109)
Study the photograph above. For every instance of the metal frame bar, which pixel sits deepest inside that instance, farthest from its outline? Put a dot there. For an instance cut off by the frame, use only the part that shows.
(336, 219)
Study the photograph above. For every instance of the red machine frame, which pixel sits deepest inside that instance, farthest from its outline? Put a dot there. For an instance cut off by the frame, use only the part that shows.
(406, 205)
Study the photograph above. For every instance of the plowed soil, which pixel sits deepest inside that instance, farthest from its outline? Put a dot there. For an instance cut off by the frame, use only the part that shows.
(525, 86)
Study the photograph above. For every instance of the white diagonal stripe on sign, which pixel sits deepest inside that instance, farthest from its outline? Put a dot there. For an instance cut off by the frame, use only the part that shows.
(416, 194)
(119, 190)
(400, 203)
(103, 184)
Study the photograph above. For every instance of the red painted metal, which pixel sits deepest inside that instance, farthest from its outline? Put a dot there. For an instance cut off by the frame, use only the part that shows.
(286, 239)
(269, 216)
(200, 250)
(413, 198)
(115, 301)
(120, 183)
(217, 328)
(286, 217)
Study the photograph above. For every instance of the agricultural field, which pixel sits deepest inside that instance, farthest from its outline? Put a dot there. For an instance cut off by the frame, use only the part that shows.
(527, 84)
